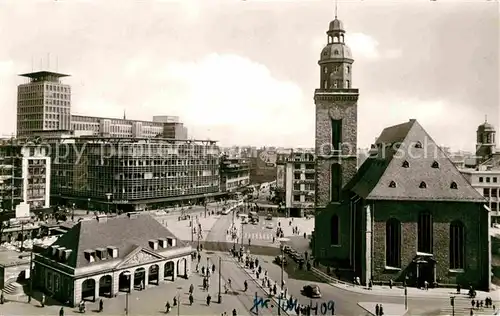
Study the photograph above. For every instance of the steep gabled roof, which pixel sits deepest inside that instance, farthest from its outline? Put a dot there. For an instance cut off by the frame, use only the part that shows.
(122, 232)
(385, 178)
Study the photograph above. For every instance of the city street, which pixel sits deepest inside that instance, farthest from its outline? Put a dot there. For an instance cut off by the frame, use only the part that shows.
(346, 301)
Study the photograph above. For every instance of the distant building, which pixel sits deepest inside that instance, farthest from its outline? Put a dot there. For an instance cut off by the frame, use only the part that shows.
(44, 106)
(24, 175)
(263, 166)
(43, 103)
(487, 183)
(105, 256)
(295, 180)
(486, 152)
(234, 174)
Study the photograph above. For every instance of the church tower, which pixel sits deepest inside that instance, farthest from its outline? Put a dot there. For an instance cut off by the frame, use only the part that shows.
(336, 118)
(485, 143)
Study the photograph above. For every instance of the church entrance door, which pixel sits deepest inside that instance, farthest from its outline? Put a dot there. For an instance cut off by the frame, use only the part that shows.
(425, 273)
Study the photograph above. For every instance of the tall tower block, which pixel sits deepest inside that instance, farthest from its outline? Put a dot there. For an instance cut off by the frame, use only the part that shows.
(336, 119)
(43, 103)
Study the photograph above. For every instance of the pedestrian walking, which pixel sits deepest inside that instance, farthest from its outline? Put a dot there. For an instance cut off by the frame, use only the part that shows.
(101, 305)
(43, 300)
(381, 310)
(377, 310)
(191, 299)
(61, 312)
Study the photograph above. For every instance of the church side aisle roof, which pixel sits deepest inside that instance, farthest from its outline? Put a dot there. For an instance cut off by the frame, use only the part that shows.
(410, 166)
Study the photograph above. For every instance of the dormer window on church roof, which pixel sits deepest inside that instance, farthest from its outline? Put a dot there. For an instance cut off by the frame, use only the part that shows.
(454, 185)
(392, 184)
(422, 185)
(406, 164)
(418, 145)
(435, 165)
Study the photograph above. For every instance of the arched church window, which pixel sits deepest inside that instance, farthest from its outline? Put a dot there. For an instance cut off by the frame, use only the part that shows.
(347, 84)
(457, 245)
(325, 70)
(325, 84)
(336, 52)
(347, 69)
(393, 243)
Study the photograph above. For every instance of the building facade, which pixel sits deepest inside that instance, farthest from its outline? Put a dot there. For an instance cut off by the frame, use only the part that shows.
(234, 174)
(104, 256)
(407, 214)
(487, 183)
(296, 179)
(24, 175)
(121, 173)
(43, 103)
(263, 165)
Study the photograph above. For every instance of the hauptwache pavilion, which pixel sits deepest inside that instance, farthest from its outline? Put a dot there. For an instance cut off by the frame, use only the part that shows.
(103, 256)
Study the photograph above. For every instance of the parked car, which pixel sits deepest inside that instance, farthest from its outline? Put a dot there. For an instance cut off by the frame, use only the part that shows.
(280, 259)
(269, 217)
(269, 226)
(312, 291)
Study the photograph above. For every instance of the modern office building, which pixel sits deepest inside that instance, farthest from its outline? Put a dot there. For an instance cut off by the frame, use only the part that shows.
(234, 174)
(487, 182)
(133, 173)
(24, 175)
(295, 180)
(43, 103)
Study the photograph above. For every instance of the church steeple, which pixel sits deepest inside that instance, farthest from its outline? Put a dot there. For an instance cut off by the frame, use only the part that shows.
(486, 143)
(336, 58)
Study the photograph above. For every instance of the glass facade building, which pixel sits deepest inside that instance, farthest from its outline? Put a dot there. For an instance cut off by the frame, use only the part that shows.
(138, 172)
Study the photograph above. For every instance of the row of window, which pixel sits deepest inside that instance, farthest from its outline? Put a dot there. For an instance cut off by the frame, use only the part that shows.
(306, 187)
(490, 192)
(308, 176)
(337, 69)
(434, 165)
(424, 240)
(30, 88)
(488, 179)
(337, 84)
(423, 185)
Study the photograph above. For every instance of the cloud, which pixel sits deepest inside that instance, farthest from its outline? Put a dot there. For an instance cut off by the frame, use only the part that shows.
(231, 91)
(382, 111)
(367, 47)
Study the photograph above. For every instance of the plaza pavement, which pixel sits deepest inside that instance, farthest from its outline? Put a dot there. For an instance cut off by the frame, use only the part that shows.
(152, 300)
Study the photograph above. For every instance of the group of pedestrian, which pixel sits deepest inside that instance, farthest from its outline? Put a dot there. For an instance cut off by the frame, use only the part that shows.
(379, 310)
(479, 304)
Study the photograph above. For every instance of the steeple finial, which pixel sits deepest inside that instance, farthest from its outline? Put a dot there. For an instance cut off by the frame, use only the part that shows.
(486, 118)
(336, 8)
(124, 116)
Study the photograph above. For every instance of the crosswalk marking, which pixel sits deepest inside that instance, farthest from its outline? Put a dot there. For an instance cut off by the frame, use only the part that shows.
(252, 236)
(463, 307)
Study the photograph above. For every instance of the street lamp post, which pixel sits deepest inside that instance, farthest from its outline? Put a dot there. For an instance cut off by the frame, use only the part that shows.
(128, 276)
(220, 279)
(31, 274)
(452, 303)
(282, 249)
(406, 297)
(108, 197)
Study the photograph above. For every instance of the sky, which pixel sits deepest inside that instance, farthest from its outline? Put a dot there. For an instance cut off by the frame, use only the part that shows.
(244, 72)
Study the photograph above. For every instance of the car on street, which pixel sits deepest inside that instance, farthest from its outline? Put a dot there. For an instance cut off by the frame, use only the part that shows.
(269, 226)
(280, 259)
(287, 249)
(311, 290)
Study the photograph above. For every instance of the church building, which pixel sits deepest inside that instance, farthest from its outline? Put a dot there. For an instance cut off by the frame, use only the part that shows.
(407, 214)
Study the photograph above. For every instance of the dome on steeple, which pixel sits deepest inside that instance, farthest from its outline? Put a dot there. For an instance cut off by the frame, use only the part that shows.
(336, 26)
(338, 51)
(486, 127)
